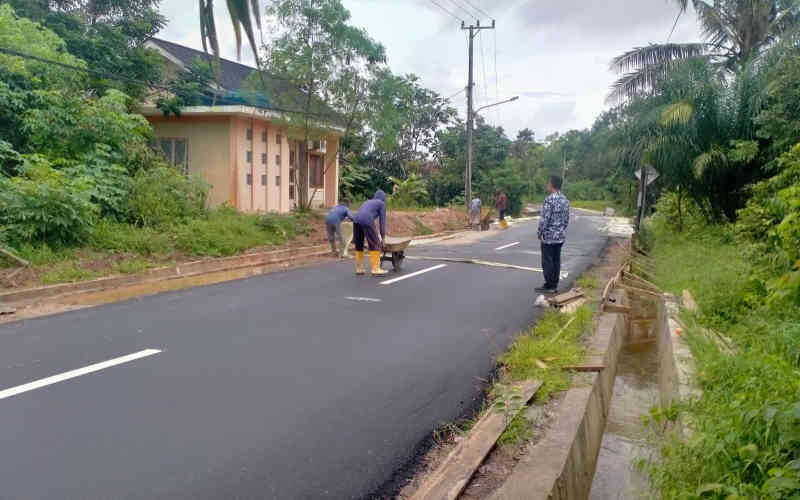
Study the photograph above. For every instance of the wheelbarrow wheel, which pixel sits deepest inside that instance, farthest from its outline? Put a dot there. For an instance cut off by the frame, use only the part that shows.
(397, 261)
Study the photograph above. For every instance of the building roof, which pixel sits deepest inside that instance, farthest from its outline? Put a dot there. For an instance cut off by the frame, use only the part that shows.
(232, 74)
(279, 94)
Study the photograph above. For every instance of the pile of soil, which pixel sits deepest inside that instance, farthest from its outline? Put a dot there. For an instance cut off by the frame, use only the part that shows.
(420, 223)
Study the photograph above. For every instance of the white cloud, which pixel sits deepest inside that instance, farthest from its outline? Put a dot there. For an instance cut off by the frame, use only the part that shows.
(554, 54)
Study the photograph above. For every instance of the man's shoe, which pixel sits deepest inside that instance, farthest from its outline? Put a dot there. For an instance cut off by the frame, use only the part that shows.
(545, 290)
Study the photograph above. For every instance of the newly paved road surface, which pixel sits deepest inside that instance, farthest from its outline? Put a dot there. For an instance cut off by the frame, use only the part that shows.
(277, 386)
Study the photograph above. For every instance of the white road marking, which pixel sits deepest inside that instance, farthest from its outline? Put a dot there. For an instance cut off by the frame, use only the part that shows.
(364, 299)
(38, 384)
(507, 246)
(401, 278)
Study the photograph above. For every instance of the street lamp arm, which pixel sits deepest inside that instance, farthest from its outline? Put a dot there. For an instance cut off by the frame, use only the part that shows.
(495, 104)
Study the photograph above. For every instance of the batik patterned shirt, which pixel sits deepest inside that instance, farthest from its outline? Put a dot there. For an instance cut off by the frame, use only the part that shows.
(554, 218)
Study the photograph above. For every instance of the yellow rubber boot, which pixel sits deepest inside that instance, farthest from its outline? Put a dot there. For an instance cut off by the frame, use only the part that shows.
(359, 263)
(375, 261)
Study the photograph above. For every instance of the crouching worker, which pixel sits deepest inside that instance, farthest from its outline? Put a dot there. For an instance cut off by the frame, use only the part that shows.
(333, 223)
(364, 227)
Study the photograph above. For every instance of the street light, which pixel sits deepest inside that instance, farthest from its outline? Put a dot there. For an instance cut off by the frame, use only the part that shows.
(495, 104)
(470, 118)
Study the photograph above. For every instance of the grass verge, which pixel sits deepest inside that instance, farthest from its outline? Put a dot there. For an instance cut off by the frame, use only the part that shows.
(121, 248)
(746, 425)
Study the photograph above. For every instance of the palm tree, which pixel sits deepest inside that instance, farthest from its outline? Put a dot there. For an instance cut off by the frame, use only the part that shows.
(735, 33)
(242, 13)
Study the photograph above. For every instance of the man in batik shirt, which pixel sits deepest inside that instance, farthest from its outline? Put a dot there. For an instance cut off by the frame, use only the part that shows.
(552, 226)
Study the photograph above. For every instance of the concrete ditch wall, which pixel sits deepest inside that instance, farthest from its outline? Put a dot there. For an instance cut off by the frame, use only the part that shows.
(561, 466)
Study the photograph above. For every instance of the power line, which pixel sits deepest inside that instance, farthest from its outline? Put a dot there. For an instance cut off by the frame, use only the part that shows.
(461, 7)
(434, 2)
(478, 9)
(457, 93)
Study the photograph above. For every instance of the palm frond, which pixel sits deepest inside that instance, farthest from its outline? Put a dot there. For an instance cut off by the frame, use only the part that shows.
(714, 156)
(718, 28)
(656, 54)
(678, 113)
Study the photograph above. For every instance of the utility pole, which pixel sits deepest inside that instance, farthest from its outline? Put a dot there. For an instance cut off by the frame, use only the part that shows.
(474, 30)
(564, 170)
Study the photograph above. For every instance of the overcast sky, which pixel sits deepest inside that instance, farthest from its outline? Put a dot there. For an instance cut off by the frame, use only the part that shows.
(553, 54)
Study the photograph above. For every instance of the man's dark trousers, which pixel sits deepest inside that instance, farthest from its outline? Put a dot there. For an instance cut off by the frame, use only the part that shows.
(551, 264)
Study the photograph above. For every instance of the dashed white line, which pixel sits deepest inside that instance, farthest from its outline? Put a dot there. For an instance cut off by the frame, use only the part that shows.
(364, 299)
(38, 384)
(401, 278)
(507, 246)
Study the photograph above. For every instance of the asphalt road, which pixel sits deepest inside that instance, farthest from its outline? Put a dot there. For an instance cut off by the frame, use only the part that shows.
(277, 386)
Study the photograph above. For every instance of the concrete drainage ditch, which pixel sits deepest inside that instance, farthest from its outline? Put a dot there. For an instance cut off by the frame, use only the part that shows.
(590, 450)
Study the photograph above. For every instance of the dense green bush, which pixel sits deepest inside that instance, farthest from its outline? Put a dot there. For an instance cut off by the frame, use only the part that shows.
(66, 125)
(161, 196)
(770, 226)
(584, 190)
(676, 212)
(46, 205)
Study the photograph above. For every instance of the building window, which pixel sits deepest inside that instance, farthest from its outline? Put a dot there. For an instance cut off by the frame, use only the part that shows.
(264, 136)
(249, 134)
(277, 180)
(176, 152)
(249, 179)
(263, 158)
(249, 157)
(292, 175)
(277, 160)
(291, 158)
(278, 139)
(291, 192)
(264, 180)
(315, 172)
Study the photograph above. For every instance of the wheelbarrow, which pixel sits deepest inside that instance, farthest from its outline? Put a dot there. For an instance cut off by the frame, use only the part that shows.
(394, 251)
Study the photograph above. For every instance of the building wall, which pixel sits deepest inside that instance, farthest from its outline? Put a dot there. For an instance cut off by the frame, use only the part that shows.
(218, 151)
(208, 155)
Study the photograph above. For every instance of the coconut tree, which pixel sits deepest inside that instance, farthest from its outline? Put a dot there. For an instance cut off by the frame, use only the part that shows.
(735, 33)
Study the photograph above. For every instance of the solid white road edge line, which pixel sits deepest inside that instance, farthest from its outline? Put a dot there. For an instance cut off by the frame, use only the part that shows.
(38, 384)
(401, 278)
(364, 299)
(507, 246)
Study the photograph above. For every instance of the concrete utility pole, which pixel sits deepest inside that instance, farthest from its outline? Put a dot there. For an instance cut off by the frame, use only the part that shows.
(473, 32)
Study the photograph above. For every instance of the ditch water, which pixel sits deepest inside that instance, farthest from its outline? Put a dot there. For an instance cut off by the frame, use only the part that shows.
(625, 440)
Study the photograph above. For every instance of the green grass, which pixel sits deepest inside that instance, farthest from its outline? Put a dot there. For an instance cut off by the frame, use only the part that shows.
(217, 233)
(746, 425)
(544, 344)
(68, 272)
(133, 266)
(421, 229)
(600, 206)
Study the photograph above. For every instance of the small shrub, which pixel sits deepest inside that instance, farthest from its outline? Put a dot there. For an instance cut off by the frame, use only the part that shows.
(126, 238)
(409, 192)
(163, 196)
(226, 232)
(45, 205)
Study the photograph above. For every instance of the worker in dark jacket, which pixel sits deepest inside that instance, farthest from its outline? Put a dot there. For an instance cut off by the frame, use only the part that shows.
(364, 227)
(333, 225)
